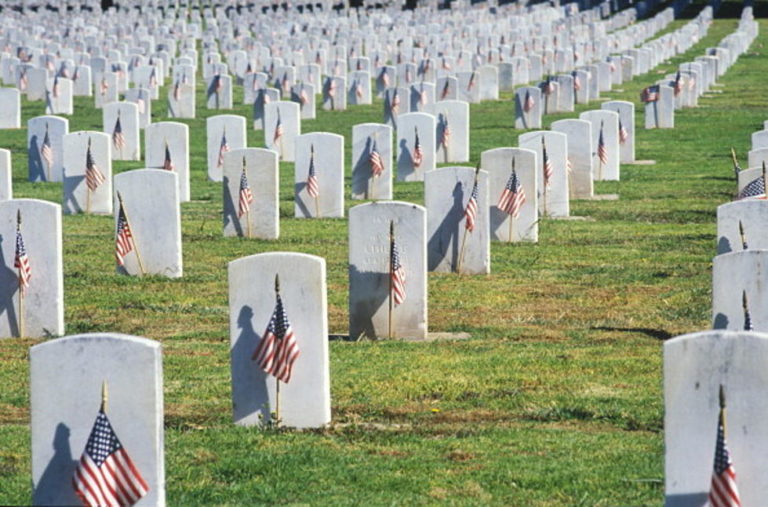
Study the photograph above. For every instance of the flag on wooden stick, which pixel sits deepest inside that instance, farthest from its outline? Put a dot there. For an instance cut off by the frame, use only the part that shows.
(513, 196)
(396, 271)
(417, 156)
(21, 261)
(223, 148)
(246, 196)
(602, 150)
(118, 139)
(377, 164)
(123, 236)
(313, 188)
(46, 151)
(723, 491)
(277, 349)
(93, 175)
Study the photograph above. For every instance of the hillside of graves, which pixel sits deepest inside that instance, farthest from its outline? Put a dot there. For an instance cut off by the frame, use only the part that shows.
(541, 382)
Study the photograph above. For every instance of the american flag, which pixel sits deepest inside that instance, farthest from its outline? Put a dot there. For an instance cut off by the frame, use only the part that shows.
(246, 196)
(623, 134)
(313, 188)
(408, 74)
(528, 103)
(217, 84)
(384, 77)
(513, 196)
(423, 95)
(46, 151)
(277, 349)
(105, 474)
(396, 273)
(747, 317)
(445, 64)
(223, 148)
(723, 491)
(548, 86)
(358, 89)
(649, 94)
(417, 156)
(602, 150)
(103, 86)
(377, 164)
(471, 83)
(55, 87)
(691, 82)
(21, 261)
(23, 80)
(76, 75)
(548, 170)
(576, 82)
(118, 139)
(446, 89)
(303, 97)
(755, 188)
(394, 105)
(63, 70)
(167, 160)
(331, 87)
(49, 65)
(285, 83)
(446, 137)
(470, 212)
(153, 78)
(141, 105)
(123, 236)
(93, 175)
(278, 129)
(677, 84)
(176, 90)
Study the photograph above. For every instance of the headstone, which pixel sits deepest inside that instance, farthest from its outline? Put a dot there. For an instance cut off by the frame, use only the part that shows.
(565, 98)
(469, 86)
(259, 218)
(452, 119)
(528, 108)
(452, 245)
(605, 124)
(6, 183)
(740, 225)
(106, 89)
(141, 97)
(396, 102)
(42, 312)
(581, 86)
(370, 289)
(371, 175)
(121, 122)
(82, 82)
(553, 199)
(334, 94)
(282, 124)
(10, 108)
(447, 88)
(263, 97)
(359, 88)
(254, 82)
(385, 78)
(58, 97)
(415, 146)
(304, 95)
(422, 95)
(580, 142)
(167, 147)
(660, 113)
(219, 92)
(87, 173)
(305, 400)
(760, 139)
(66, 378)
(319, 175)
(225, 132)
(756, 158)
(695, 366)
(498, 163)
(150, 199)
(46, 158)
(626, 112)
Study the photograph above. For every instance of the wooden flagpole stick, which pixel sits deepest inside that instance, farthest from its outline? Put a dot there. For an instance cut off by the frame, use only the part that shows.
(87, 187)
(372, 194)
(247, 210)
(317, 197)
(20, 317)
(133, 236)
(48, 165)
(735, 164)
(104, 396)
(391, 241)
(445, 141)
(722, 407)
(511, 217)
(466, 231)
(277, 384)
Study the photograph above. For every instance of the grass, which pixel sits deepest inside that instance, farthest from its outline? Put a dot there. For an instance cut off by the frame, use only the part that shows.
(556, 397)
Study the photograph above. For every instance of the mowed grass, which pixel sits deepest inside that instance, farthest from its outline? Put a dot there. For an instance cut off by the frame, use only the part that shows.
(556, 397)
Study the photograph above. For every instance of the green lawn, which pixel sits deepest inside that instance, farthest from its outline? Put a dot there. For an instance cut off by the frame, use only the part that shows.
(556, 397)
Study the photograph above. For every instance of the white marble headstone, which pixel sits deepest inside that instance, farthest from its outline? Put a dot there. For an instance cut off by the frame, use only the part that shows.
(410, 126)
(528, 108)
(261, 217)
(6, 173)
(125, 136)
(498, 162)
(225, 132)
(553, 199)
(626, 112)
(10, 108)
(39, 168)
(167, 147)
(607, 122)
(580, 136)
(365, 138)
(78, 195)
(282, 125)
(324, 152)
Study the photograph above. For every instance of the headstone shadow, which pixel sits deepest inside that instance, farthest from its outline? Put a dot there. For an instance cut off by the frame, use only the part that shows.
(448, 233)
(405, 162)
(36, 166)
(376, 286)
(9, 285)
(230, 209)
(55, 484)
(250, 388)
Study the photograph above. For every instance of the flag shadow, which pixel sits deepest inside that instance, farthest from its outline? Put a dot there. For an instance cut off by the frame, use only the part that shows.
(230, 210)
(448, 233)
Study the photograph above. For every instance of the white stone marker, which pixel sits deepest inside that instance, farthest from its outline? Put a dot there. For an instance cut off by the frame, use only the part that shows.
(167, 147)
(452, 117)
(121, 122)
(42, 304)
(580, 142)
(45, 158)
(371, 175)
(263, 97)
(498, 163)
(605, 123)
(359, 88)
(626, 112)
(259, 218)
(740, 226)
(334, 94)
(319, 176)
(452, 246)
(447, 88)
(528, 108)
(489, 82)
(106, 84)
(304, 95)
(66, 378)
(732, 274)
(305, 400)
(181, 99)
(422, 95)
(660, 113)
(225, 132)
(370, 270)
(6, 183)
(396, 102)
(469, 86)
(755, 158)
(695, 366)
(151, 204)
(282, 125)
(219, 92)
(10, 108)
(87, 171)
(58, 96)
(142, 98)
(553, 199)
(415, 158)
(82, 83)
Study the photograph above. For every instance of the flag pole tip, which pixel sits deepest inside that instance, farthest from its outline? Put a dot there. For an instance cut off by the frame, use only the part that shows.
(277, 283)
(104, 396)
(722, 396)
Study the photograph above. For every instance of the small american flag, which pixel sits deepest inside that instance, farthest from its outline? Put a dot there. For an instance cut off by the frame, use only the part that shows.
(512, 197)
(623, 134)
(470, 212)
(471, 83)
(118, 139)
(46, 151)
(358, 89)
(105, 474)
(303, 97)
(313, 188)
(394, 104)
(723, 491)
(649, 94)
(217, 84)
(93, 175)
(246, 196)
(377, 164)
(176, 90)
(278, 129)
(23, 80)
(446, 135)
(677, 85)
(277, 349)
(548, 170)
(423, 96)
(285, 83)
(153, 78)
(123, 236)
(141, 105)
(408, 74)
(21, 261)
(529, 103)
(223, 148)
(103, 86)
(446, 89)
(384, 78)
(396, 273)
(417, 156)
(55, 89)
(49, 65)
(576, 82)
(167, 160)
(548, 87)
(331, 87)
(76, 75)
(446, 65)
(602, 150)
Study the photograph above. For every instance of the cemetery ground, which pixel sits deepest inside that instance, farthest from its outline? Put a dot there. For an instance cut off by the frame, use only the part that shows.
(551, 396)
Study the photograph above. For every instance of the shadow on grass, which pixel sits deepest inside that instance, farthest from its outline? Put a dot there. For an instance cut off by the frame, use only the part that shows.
(659, 334)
